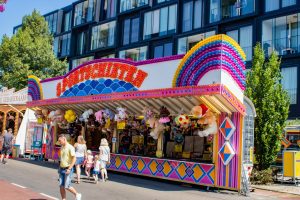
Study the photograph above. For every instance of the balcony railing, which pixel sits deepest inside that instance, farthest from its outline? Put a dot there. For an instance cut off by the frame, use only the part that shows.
(282, 46)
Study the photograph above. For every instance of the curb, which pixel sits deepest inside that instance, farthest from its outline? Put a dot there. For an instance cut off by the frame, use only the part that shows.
(273, 190)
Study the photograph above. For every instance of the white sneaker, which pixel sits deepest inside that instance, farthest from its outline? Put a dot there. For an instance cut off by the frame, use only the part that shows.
(78, 196)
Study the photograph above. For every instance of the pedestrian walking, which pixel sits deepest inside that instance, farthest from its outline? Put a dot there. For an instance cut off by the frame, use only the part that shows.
(67, 161)
(7, 145)
(80, 152)
(96, 170)
(89, 163)
(104, 156)
(2, 140)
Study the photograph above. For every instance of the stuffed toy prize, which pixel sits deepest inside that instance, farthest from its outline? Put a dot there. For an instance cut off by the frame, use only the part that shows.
(164, 115)
(70, 116)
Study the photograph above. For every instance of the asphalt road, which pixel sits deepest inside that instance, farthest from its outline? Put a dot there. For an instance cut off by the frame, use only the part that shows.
(25, 179)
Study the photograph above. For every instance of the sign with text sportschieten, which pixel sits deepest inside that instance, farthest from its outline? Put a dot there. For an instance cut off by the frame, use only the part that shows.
(9, 96)
(111, 70)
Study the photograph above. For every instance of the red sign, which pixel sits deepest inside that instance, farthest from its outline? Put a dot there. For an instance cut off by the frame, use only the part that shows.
(113, 70)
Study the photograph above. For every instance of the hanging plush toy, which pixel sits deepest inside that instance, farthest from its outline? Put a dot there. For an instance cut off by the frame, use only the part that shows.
(70, 116)
(39, 116)
(184, 121)
(164, 115)
(157, 130)
(59, 116)
(86, 114)
(100, 117)
(209, 119)
(109, 114)
(122, 115)
(199, 111)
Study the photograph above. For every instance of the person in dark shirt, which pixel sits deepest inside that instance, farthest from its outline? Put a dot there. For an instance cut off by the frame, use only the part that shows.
(125, 142)
(7, 145)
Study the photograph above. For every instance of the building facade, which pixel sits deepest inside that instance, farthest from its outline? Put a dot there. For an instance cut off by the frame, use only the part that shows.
(147, 29)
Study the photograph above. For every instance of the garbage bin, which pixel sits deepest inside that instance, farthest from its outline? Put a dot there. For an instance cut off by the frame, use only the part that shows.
(291, 164)
(16, 151)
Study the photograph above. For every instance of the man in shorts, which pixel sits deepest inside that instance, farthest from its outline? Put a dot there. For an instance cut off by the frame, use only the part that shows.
(67, 161)
(7, 145)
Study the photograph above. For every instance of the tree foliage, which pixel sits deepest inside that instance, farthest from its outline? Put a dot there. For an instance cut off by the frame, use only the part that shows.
(29, 52)
(272, 106)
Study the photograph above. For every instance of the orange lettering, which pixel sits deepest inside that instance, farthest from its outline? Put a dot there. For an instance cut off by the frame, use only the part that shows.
(58, 89)
(139, 79)
(129, 76)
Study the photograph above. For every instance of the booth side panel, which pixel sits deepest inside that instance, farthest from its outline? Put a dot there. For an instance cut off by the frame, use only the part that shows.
(229, 158)
(189, 172)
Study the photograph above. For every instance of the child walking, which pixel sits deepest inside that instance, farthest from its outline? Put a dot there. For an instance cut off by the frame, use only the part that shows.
(89, 163)
(96, 170)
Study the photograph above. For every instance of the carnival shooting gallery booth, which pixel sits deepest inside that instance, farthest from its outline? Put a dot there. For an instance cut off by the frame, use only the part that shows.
(178, 118)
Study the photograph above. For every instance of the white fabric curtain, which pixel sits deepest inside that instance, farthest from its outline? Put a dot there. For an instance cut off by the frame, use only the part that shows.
(246, 41)
(289, 82)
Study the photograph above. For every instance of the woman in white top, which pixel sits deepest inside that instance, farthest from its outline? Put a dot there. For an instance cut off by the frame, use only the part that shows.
(104, 157)
(80, 152)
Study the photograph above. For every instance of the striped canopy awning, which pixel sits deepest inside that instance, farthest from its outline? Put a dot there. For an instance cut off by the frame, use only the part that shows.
(178, 100)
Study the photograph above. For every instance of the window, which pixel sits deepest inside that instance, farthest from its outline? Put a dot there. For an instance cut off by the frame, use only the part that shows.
(286, 3)
(162, 1)
(56, 46)
(289, 82)
(81, 43)
(103, 35)
(281, 35)
(65, 44)
(67, 21)
(135, 54)
(271, 5)
(215, 11)
(230, 8)
(243, 36)
(192, 15)
(110, 8)
(131, 30)
(84, 12)
(108, 56)
(52, 22)
(77, 62)
(186, 43)
(163, 50)
(61, 45)
(160, 22)
(131, 4)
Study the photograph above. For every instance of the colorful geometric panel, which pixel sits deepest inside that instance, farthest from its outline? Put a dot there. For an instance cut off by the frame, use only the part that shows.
(226, 153)
(100, 86)
(189, 172)
(167, 168)
(215, 52)
(35, 90)
(141, 165)
(227, 128)
(181, 170)
(153, 167)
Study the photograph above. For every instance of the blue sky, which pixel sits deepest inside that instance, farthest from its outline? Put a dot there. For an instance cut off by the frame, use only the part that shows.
(16, 9)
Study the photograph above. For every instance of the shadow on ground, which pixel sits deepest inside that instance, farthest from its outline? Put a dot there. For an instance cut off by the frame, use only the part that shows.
(135, 180)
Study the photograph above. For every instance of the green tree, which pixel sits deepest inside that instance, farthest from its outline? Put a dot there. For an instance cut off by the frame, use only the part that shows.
(29, 52)
(272, 106)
